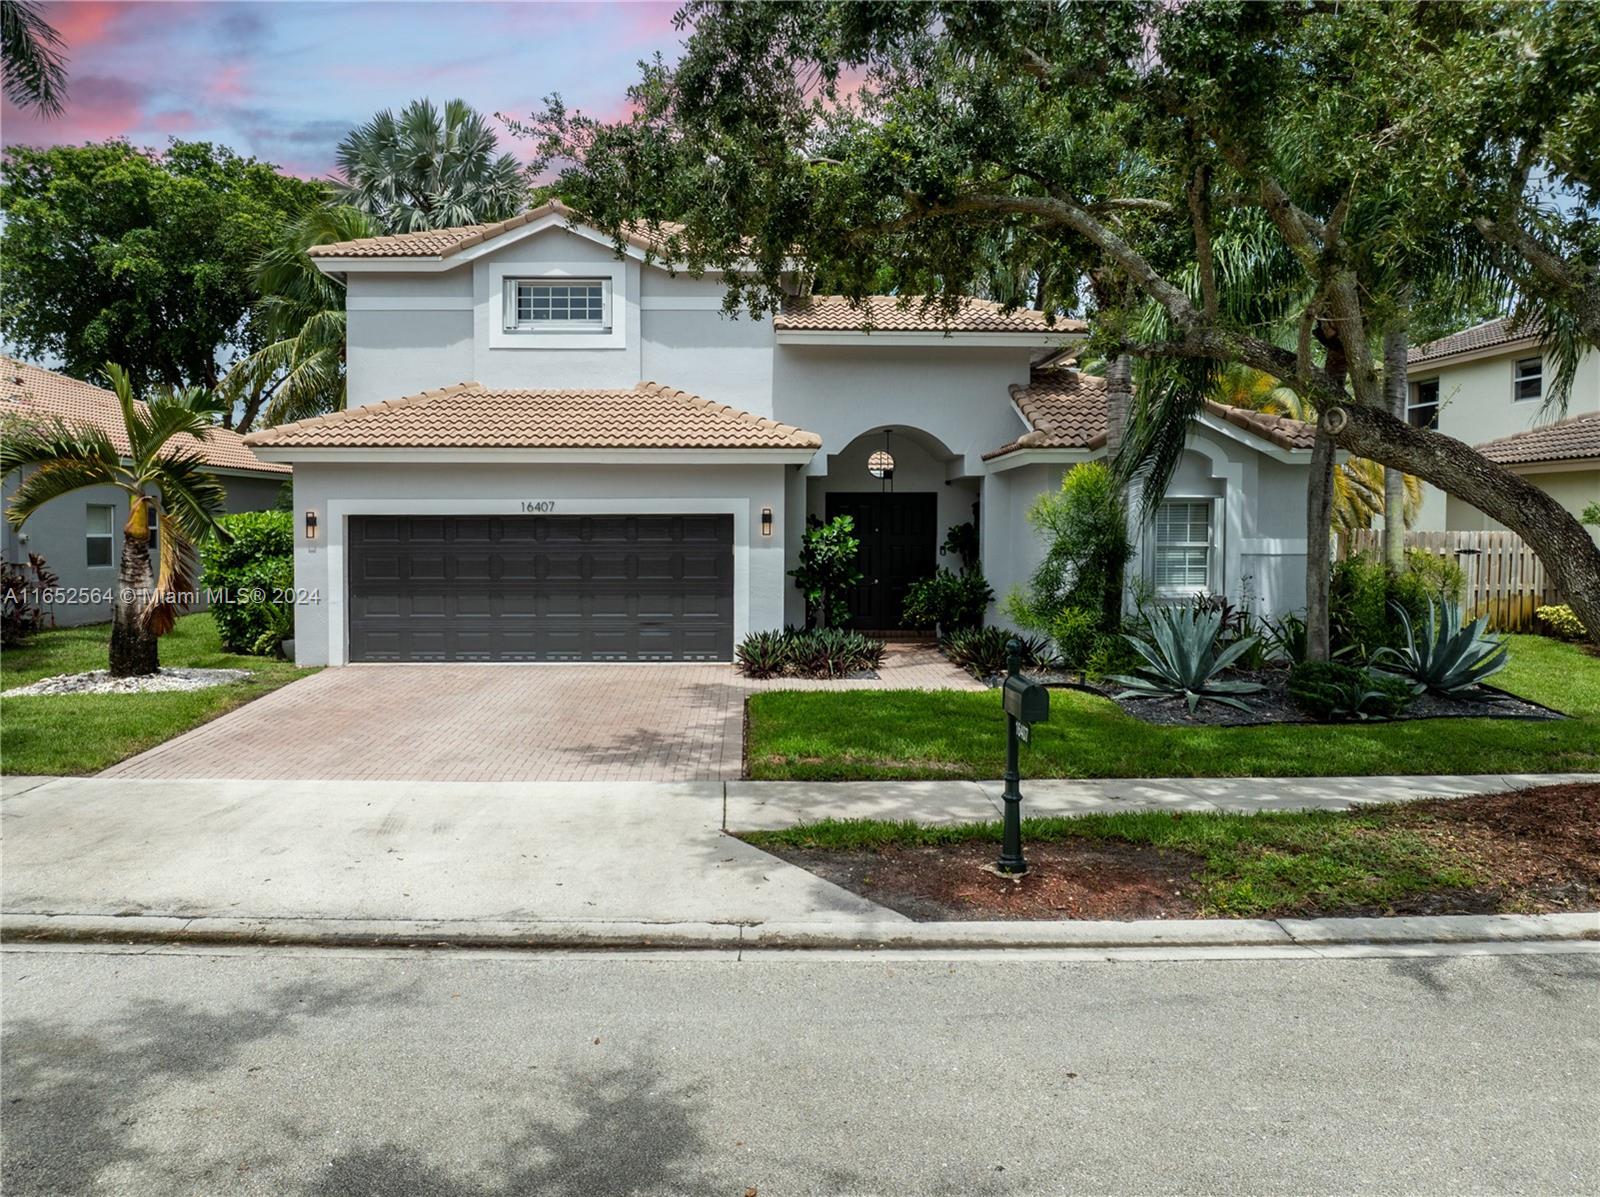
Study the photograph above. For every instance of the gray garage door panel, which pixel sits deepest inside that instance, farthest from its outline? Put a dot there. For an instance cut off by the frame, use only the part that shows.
(541, 588)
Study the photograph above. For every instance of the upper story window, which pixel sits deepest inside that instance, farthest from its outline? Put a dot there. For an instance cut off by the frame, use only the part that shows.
(100, 523)
(1182, 550)
(1422, 407)
(1527, 379)
(558, 305)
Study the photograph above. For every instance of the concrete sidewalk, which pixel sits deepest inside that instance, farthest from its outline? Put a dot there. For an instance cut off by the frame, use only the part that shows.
(582, 864)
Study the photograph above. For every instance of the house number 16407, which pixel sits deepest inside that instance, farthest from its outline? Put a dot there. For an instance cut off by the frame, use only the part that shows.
(539, 506)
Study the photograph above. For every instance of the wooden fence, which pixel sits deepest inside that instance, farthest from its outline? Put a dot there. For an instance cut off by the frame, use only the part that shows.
(1504, 577)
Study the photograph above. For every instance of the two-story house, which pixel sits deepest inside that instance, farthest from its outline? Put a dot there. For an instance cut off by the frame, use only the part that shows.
(555, 451)
(1487, 386)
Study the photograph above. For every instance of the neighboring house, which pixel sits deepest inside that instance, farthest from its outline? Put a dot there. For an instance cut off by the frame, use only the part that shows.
(1487, 386)
(80, 535)
(554, 451)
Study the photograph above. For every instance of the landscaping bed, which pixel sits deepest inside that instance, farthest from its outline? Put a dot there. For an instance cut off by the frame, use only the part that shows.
(1527, 851)
(910, 735)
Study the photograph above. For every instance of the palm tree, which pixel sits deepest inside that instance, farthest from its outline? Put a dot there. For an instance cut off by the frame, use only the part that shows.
(166, 484)
(301, 367)
(34, 56)
(429, 170)
(1357, 483)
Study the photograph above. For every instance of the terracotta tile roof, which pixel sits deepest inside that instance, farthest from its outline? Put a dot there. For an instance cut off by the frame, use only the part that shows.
(1482, 336)
(445, 243)
(470, 415)
(1280, 430)
(1573, 439)
(911, 313)
(1067, 410)
(32, 391)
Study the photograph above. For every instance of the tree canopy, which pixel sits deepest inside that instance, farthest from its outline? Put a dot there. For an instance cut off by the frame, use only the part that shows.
(1190, 176)
(119, 254)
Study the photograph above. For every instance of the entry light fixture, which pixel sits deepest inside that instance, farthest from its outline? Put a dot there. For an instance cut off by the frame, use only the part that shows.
(311, 525)
(881, 464)
(766, 521)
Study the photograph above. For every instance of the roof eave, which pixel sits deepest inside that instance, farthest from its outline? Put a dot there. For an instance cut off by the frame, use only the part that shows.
(464, 454)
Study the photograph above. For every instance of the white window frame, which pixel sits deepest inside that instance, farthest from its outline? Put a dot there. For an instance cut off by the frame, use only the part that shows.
(90, 536)
(1212, 546)
(513, 285)
(1518, 377)
(496, 288)
(1414, 401)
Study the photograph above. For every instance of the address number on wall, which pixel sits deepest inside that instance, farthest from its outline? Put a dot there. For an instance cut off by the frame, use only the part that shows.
(538, 506)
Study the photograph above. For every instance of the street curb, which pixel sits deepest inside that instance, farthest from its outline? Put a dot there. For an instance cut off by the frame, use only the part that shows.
(816, 934)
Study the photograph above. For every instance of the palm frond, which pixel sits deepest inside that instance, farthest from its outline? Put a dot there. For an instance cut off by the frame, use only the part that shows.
(51, 479)
(193, 495)
(35, 58)
(176, 577)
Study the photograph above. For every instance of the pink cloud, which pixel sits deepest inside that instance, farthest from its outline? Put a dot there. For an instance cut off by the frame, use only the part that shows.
(83, 23)
(97, 107)
(228, 83)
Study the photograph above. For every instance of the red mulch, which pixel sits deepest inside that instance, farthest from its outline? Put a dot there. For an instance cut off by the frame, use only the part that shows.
(1066, 879)
(1538, 850)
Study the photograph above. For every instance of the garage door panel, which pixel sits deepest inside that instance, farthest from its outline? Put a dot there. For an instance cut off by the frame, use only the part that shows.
(541, 588)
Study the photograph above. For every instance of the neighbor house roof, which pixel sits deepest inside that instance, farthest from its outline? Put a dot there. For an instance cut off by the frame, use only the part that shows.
(1067, 409)
(445, 243)
(32, 392)
(1494, 334)
(910, 313)
(470, 415)
(1574, 439)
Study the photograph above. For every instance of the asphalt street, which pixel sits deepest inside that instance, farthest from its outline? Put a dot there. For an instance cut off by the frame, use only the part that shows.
(453, 1074)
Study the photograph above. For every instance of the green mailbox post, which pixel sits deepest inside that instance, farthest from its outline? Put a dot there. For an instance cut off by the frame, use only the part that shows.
(1026, 703)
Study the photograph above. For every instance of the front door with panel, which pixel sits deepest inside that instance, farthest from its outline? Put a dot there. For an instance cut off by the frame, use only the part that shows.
(899, 545)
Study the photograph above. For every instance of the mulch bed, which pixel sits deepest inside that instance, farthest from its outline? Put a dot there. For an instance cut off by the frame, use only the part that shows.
(1273, 705)
(1538, 849)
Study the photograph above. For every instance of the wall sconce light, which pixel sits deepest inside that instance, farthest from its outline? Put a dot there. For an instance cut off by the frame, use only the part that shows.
(766, 521)
(311, 525)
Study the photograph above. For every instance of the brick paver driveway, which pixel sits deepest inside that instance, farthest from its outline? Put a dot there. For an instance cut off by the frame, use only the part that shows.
(497, 723)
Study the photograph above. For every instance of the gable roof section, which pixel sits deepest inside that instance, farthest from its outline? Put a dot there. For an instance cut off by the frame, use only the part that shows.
(1492, 335)
(1067, 409)
(910, 313)
(1573, 439)
(469, 415)
(31, 391)
(438, 244)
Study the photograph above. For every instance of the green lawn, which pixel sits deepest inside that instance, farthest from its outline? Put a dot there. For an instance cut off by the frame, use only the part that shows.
(1255, 866)
(83, 733)
(866, 734)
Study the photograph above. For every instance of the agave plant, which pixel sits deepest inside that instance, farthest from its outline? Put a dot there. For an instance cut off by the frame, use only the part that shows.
(1447, 658)
(1182, 658)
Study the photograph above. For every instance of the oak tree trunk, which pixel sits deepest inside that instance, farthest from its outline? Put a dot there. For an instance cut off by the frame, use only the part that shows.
(1394, 481)
(1556, 537)
(1119, 405)
(133, 649)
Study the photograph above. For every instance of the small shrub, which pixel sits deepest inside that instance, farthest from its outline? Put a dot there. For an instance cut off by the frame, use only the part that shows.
(22, 605)
(947, 600)
(1559, 622)
(1366, 599)
(1286, 638)
(828, 569)
(245, 574)
(1329, 690)
(982, 651)
(961, 542)
(1110, 655)
(1085, 529)
(808, 653)
(1074, 632)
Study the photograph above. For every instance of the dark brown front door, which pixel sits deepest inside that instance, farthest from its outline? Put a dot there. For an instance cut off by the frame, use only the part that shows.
(541, 588)
(899, 545)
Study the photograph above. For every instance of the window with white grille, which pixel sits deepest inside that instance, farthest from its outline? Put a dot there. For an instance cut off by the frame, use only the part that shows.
(558, 305)
(1182, 557)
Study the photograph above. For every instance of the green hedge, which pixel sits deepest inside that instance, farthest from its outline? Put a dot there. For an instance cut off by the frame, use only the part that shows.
(244, 575)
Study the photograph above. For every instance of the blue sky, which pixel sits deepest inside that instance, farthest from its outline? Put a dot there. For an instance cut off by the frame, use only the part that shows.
(284, 80)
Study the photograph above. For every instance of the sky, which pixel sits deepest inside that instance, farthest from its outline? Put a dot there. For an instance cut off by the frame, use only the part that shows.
(285, 80)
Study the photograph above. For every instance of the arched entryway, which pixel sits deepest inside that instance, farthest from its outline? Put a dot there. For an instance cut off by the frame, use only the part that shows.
(904, 490)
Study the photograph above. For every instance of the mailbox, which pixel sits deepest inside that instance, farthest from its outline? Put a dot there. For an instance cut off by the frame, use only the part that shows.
(1025, 701)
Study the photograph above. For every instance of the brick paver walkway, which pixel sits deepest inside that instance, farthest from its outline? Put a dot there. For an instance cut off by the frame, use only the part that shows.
(501, 723)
